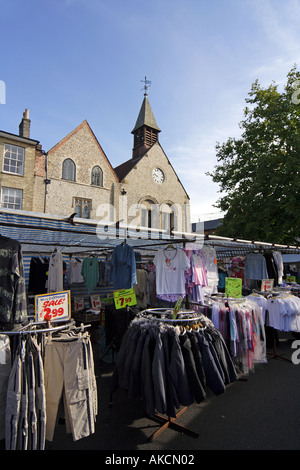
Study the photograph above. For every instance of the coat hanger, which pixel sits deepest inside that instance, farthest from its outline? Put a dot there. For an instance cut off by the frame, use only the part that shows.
(170, 247)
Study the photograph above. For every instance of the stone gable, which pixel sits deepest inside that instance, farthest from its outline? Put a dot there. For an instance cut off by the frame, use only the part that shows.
(83, 149)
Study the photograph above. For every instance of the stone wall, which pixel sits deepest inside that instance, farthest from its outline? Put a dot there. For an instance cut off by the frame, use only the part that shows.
(82, 147)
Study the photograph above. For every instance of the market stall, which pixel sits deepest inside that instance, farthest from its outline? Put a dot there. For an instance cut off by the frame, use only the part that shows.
(109, 271)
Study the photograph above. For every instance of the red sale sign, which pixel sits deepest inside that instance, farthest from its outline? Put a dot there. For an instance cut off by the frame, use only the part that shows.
(53, 307)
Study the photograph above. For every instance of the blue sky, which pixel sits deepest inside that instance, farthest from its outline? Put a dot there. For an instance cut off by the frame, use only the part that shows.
(70, 60)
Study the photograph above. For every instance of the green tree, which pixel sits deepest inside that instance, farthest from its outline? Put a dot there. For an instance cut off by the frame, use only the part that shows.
(258, 173)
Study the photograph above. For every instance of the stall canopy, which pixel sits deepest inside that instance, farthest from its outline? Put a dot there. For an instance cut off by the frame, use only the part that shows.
(44, 232)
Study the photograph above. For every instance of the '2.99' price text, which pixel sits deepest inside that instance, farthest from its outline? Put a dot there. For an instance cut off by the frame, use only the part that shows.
(50, 312)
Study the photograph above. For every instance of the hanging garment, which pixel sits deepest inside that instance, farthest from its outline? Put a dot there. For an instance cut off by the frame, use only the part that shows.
(281, 312)
(194, 380)
(241, 325)
(38, 275)
(13, 404)
(56, 275)
(25, 413)
(195, 276)
(168, 368)
(255, 267)
(5, 369)
(279, 264)
(140, 288)
(171, 264)
(123, 267)
(237, 268)
(13, 304)
(69, 375)
(210, 261)
(222, 280)
(271, 267)
(74, 271)
(151, 288)
(90, 273)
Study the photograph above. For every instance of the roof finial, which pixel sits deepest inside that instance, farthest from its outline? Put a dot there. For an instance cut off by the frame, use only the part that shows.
(147, 84)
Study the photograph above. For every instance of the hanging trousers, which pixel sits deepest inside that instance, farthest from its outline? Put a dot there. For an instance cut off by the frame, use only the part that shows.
(5, 368)
(69, 375)
(13, 404)
(25, 404)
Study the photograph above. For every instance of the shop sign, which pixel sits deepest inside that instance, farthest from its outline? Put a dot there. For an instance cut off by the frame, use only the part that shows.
(54, 306)
(267, 285)
(124, 298)
(233, 287)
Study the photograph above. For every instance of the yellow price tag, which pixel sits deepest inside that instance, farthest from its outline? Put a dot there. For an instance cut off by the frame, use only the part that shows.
(233, 287)
(124, 298)
(290, 278)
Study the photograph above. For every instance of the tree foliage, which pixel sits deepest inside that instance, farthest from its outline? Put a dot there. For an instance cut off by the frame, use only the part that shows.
(258, 173)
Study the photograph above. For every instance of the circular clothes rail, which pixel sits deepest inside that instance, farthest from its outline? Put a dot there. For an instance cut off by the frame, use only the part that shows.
(166, 315)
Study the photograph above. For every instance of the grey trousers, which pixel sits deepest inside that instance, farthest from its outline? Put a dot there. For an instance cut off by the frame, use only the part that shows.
(25, 415)
(70, 376)
(5, 369)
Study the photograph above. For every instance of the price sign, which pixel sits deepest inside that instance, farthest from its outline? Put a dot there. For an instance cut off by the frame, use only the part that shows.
(78, 304)
(53, 307)
(124, 298)
(95, 301)
(290, 278)
(267, 285)
(233, 287)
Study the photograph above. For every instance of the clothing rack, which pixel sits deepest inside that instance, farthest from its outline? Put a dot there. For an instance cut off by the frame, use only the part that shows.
(24, 331)
(169, 421)
(181, 318)
(269, 294)
(222, 298)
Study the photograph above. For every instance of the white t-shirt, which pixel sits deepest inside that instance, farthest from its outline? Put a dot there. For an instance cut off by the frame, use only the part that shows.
(74, 271)
(170, 266)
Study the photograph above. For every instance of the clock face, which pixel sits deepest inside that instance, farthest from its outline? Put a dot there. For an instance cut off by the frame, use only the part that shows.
(158, 175)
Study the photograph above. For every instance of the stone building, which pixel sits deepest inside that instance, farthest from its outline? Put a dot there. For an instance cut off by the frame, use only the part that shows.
(80, 175)
(20, 159)
(76, 177)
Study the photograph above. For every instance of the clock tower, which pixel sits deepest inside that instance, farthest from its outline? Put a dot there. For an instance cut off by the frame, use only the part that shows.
(150, 190)
(145, 132)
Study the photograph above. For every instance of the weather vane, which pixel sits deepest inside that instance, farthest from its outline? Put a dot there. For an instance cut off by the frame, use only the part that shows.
(147, 84)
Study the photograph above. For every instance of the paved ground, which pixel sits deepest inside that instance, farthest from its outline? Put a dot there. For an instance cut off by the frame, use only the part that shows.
(261, 413)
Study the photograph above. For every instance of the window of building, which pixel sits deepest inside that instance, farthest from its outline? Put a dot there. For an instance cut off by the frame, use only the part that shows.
(13, 159)
(69, 170)
(11, 198)
(97, 176)
(149, 214)
(82, 207)
(167, 218)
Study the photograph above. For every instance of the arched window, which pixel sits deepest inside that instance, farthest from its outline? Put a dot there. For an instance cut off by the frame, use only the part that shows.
(168, 217)
(97, 176)
(149, 214)
(68, 170)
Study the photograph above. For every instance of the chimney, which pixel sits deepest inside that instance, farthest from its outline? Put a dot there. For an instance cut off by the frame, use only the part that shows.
(24, 127)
